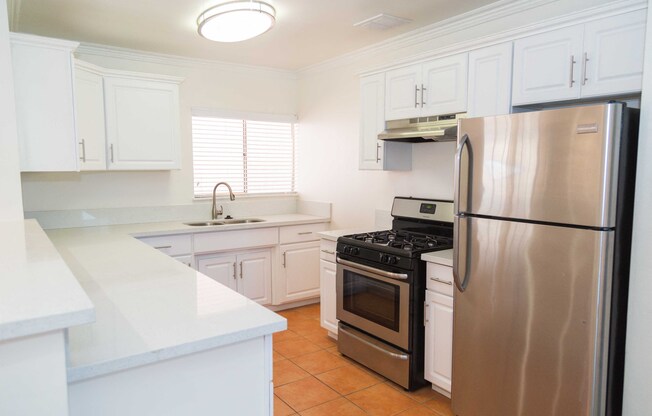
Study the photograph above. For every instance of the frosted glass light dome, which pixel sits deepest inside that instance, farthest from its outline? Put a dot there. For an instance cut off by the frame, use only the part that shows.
(236, 21)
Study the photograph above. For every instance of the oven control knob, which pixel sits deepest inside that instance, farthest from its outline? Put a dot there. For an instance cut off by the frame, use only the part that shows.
(354, 250)
(384, 258)
(392, 260)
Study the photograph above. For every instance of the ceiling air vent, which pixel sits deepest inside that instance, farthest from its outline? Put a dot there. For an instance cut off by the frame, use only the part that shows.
(382, 22)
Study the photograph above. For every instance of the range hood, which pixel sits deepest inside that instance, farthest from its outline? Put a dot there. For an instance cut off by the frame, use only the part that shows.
(441, 128)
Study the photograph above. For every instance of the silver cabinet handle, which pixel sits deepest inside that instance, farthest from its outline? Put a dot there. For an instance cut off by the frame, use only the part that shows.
(571, 81)
(284, 259)
(441, 281)
(240, 270)
(377, 152)
(111, 151)
(162, 247)
(305, 233)
(586, 60)
(328, 252)
(425, 313)
(234, 268)
(83, 146)
(422, 90)
(416, 91)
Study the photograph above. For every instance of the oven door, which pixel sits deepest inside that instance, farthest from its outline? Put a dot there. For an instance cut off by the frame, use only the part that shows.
(375, 301)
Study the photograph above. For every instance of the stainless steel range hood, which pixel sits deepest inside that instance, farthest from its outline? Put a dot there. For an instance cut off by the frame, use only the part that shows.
(441, 128)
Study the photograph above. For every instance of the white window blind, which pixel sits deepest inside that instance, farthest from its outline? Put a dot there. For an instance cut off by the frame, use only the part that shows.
(254, 157)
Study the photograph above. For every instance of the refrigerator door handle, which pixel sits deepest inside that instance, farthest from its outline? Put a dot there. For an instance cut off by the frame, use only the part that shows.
(464, 142)
(461, 251)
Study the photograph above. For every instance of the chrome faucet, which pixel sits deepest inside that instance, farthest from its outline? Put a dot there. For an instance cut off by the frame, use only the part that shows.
(214, 211)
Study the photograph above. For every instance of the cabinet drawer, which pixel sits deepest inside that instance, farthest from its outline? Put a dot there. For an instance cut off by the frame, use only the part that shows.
(172, 245)
(440, 278)
(300, 233)
(230, 240)
(327, 250)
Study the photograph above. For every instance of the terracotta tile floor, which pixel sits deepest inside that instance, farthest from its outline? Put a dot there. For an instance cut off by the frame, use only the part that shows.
(312, 379)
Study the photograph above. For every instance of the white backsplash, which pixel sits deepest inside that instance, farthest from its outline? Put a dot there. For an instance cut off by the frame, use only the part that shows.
(242, 207)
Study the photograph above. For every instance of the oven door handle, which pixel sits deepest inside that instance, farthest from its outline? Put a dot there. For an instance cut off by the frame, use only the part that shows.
(390, 275)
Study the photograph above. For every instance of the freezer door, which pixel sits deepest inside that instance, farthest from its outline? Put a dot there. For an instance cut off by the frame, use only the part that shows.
(555, 166)
(528, 326)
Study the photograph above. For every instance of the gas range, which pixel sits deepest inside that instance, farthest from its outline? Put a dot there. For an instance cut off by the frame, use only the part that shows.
(381, 283)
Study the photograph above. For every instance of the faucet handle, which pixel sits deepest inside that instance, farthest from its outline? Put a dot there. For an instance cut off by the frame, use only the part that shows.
(219, 212)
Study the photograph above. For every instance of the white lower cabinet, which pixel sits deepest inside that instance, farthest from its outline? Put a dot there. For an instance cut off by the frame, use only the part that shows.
(249, 273)
(439, 340)
(298, 277)
(327, 276)
(187, 260)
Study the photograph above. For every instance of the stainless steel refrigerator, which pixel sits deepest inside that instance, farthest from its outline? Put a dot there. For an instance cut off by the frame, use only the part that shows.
(544, 202)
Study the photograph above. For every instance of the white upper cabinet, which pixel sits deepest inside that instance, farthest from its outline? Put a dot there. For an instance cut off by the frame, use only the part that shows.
(444, 87)
(43, 78)
(613, 55)
(546, 66)
(600, 58)
(435, 87)
(376, 154)
(490, 81)
(89, 116)
(142, 122)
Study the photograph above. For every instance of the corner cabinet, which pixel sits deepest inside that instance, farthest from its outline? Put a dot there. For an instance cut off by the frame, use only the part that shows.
(376, 154)
(490, 81)
(142, 122)
(600, 58)
(43, 87)
(432, 88)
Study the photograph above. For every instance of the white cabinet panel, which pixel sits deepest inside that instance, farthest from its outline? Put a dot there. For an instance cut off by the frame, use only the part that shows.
(188, 260)
(547, 67)
(255, 276)
(444, 88)
(328, 303)
(299, 273)
(439, 340)
(172, 245)
(142, 119)
(613, 55)
(402, 93)
(89, 116)
(301, 233)
(43, 78)
(221, 268)
(490, 81)
(376, 154)
(232, 240)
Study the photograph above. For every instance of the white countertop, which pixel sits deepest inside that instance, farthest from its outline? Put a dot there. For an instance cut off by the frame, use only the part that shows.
(38, 292)
(149, 306)
(443, 257)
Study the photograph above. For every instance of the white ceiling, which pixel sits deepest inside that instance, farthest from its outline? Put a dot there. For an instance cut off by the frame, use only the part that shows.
(306, 32)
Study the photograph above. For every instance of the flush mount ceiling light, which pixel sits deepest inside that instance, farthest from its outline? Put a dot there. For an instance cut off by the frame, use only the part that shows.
(236, 20)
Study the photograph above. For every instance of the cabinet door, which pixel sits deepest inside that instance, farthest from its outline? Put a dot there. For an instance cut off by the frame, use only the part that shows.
(89, 114)
(220, 267)
(187, 260)
(255, 276)
(299, 277)
(372, 121)
(142, 124)
(403, 93)
(613, 55)
(547, 67)
(327, 306)
(439, 340)
(490, 81)
(444, 85)
(44, 105)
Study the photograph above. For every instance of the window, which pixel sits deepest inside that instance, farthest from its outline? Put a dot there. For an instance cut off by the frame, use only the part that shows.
(254, 157)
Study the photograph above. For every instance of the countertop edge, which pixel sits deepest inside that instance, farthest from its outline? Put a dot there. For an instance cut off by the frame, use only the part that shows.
(85, 372)
(443, 257)
(41, 325)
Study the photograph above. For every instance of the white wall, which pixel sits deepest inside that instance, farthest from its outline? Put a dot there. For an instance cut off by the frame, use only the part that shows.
(329, 118)
(638, 355)
(11, 205)
(206, 85)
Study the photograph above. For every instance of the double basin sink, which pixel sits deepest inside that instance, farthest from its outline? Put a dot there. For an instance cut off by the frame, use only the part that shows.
(224, 222)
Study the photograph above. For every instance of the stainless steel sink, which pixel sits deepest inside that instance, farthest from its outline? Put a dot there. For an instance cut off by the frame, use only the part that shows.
(224, 222)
